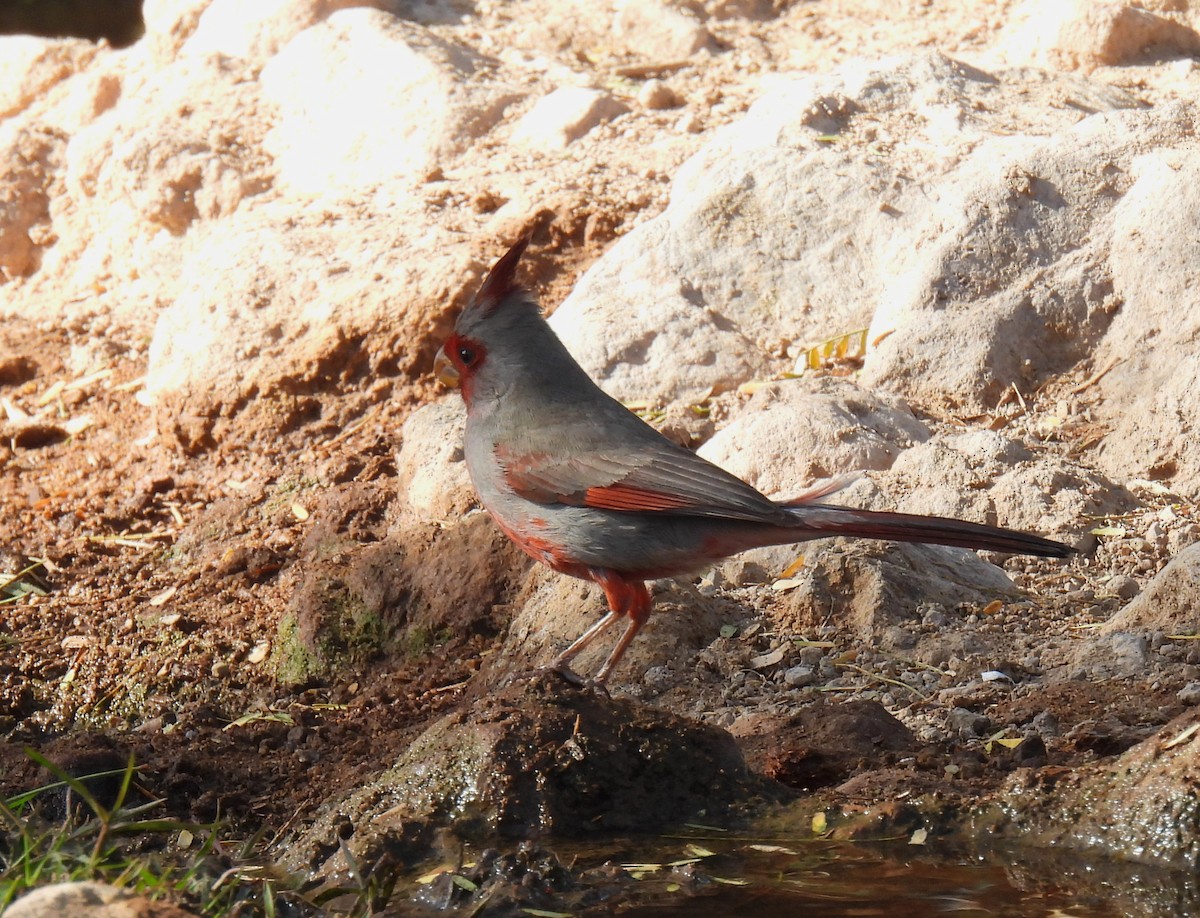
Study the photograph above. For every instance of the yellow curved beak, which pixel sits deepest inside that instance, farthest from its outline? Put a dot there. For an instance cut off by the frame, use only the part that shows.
(445, 371)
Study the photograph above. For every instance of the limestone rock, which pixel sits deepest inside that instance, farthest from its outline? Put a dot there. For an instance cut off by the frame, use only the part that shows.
(986, 477)
(793, 432)
(565, 115)
(659, 31)
(90, 900)
(1084, 34)
(867, 587)
(1170, 602)
(1005, 278)
(28, 170)
(258, 30)
(29, 66)
(365, 98)
(432, 473)
(628, 339)
(552, 610)
(1152, 404)
(296, 310)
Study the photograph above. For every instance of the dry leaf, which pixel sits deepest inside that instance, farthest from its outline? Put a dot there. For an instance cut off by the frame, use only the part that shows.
(767, 659)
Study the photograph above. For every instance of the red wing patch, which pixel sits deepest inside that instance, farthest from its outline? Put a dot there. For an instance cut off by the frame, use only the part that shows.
(624, 497)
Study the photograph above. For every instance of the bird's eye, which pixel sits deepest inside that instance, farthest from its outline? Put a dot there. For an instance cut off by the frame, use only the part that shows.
(466, 354)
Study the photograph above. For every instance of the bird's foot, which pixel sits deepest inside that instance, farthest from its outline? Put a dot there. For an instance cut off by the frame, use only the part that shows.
(563, 671)
(568, 675)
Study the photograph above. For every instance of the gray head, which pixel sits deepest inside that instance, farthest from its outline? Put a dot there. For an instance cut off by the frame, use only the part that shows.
(501, 340)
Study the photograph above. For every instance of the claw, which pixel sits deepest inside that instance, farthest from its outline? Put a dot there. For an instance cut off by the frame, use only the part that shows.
(563, 671)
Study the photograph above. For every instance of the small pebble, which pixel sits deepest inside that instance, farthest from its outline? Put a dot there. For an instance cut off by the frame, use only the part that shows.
(1046, 724)
(655, 94)
(800, 676)
(1124, 587)
(897, 638)
(968, 724)
(1189, 694)
(811, 656)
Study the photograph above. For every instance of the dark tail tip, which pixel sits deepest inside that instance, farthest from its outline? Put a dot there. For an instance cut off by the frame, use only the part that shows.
(904, 527)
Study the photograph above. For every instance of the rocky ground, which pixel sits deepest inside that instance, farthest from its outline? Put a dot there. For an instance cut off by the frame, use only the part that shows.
(948, 249)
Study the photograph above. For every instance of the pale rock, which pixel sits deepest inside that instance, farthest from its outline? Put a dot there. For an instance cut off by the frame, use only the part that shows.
(658, 321)
(800, 676)
(565, 115)
(985, 477)
(85, 98)
(258, 30)
(89, 899)
(158, 160)
(29, 162)
(1151, 392)
(431, 474)
(298, 308)
(1110, 654)
(1169, 603)
(658, 31)
(793, 432)
(742, 9)
(772, 232)
(1123, 587)
(866, 587)
(172, 157)
(30, 66)
(169, 24)
(655, 95)
(1085, 34)
(1003, 280)
(366, 98)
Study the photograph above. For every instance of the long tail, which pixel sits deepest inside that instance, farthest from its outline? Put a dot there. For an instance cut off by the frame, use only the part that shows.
(906, 527)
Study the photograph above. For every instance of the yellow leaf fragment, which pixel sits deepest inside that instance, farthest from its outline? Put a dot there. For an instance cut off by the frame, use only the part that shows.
(792, 569)
(850, 346)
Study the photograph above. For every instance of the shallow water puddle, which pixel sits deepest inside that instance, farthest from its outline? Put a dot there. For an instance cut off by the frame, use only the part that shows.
(704, 877)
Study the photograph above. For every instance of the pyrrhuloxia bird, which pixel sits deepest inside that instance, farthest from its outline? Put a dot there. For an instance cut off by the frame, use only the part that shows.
(584, 485)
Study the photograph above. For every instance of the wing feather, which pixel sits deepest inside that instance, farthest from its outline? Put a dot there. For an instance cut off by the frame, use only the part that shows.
(659, 477)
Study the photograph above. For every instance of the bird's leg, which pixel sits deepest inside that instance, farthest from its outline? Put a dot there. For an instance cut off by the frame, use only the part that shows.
(562, 663)
(633, 599)
(625, 598)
